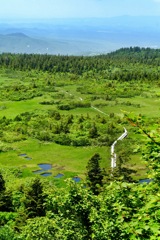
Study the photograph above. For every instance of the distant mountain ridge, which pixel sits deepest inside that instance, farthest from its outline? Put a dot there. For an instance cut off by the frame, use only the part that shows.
(79, 36)
(17, 34)
(20, 43)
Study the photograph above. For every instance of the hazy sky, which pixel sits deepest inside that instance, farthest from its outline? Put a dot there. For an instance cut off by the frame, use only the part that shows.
(77, 8)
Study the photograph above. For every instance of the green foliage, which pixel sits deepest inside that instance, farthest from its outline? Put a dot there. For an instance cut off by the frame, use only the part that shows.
(94, 174)
(74, 208)
(69, 89)
(5, 196)
(34, 199)
(4, 147)
(55, 228)
(5, 201)
(152, 155)
(2, 183)
(7, 217)
(152, 147)
(122, 172)
(121, 211)
(7, 233)
(52, 126)
(78, 65)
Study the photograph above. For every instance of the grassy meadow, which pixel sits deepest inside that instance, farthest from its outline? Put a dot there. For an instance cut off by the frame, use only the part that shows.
(39, 92)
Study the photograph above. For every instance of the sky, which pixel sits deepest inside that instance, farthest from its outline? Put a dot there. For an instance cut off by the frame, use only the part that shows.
(39, 9)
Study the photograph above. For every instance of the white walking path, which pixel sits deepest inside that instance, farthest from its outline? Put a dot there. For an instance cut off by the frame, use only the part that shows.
(99, 110)
(113, 154)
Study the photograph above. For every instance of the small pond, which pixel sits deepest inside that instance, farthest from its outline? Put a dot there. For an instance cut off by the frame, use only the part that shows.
(46, 174)
(45, 166)
(38, 171)
(59, 175)
(23, 155)
(146, 180)
(28, 158)
(76, 179)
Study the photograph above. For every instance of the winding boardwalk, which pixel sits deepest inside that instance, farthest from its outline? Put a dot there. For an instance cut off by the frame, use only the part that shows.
(113, 154)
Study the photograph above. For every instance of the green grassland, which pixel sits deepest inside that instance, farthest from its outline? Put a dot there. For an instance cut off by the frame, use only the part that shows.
(90, 101)
(65, 112)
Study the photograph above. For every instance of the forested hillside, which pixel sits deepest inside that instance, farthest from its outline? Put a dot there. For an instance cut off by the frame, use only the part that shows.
(120, 64)
(59, 116)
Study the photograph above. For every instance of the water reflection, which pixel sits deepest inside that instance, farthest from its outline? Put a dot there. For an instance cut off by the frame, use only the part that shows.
(146, 180)
(38, 171)
(45, 166)
(46, 174)
(23, 155)
(76, 179)
(59, 175)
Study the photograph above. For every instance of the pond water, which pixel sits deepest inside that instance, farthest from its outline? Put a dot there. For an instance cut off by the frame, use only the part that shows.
(23, 155)
(38, 171)
(76, 179)
(59, 175)
(28, 158)
(45, 166)
(46, 174)
(146, 180)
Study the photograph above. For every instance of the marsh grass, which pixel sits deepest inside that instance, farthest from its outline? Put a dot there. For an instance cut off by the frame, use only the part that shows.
(71, 160)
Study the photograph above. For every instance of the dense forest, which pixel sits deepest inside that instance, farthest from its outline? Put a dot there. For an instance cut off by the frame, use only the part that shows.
(67, 111)
(126, 59)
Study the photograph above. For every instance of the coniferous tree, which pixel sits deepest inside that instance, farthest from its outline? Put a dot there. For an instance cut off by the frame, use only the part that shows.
(93, 132)
(2, 183)
(94, 174)
(5, 197)
(35, 199)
